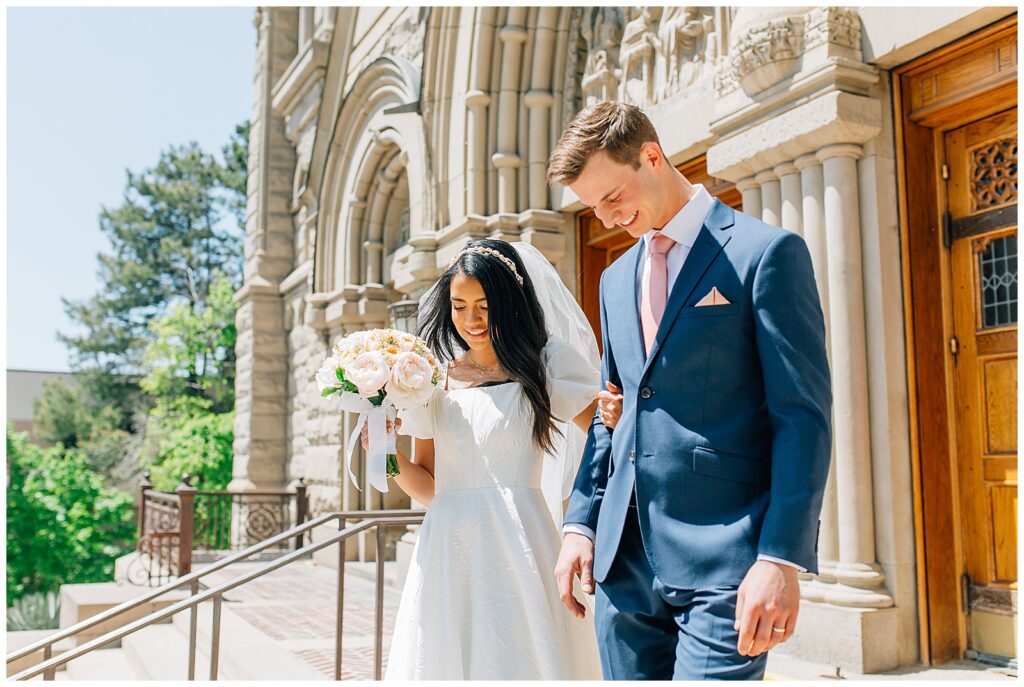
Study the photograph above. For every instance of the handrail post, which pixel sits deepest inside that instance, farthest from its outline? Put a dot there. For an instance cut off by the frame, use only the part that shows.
(301, 508)
(340, 617)
(215, 637)
(50, 674)
(192, 631)
(378, 622)
(186, 522)
(144, 486)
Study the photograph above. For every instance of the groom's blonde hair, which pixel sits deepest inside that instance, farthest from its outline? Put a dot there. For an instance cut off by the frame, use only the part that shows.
(618, 129)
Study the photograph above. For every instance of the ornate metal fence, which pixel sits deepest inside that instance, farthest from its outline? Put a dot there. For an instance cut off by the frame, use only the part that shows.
(193, 525)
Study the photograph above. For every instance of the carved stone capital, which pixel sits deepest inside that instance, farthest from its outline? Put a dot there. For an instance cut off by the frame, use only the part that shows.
(840, 150)
(746, 184)
(785, 169)
(537, 98)
(503, 160)
(805, 161)
(768, 53)
(512, 34)
(477, 98)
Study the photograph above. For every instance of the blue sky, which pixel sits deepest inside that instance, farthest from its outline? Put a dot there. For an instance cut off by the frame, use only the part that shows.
(92, 92)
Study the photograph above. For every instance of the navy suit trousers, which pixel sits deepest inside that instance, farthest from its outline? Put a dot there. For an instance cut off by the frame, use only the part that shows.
(647, 631)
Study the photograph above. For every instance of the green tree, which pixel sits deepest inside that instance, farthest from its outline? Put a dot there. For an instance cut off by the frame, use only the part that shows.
(179, 224)
(62, 415)
(200, 446)
(190, 360)
(63, 526)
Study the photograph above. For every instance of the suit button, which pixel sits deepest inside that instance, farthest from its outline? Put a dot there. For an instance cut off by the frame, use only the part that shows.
(646, 392)
(632, 456)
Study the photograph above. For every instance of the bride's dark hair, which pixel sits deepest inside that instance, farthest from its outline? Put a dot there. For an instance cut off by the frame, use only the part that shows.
(515, 323)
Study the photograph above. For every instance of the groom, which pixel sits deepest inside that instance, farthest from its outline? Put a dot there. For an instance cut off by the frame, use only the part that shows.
(695, 514)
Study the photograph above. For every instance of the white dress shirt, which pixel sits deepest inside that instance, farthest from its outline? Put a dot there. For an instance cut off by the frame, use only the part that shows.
(683, 228)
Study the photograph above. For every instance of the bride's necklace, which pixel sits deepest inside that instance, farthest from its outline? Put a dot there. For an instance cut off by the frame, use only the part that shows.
(479, 368)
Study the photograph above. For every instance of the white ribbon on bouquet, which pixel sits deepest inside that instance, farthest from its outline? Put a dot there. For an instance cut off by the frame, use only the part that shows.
(380, 441)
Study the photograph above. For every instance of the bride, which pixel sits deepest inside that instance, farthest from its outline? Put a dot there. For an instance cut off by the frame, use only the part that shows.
(496, 451)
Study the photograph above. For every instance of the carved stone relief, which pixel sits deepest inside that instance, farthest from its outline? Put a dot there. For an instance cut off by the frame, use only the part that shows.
(640, 45)
(839, 26)
(642, 55)
(575, 62)
(602, 30)
(688, 46)
(405, 38)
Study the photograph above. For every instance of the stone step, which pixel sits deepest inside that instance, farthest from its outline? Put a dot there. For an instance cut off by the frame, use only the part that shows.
(102, 665)
(160, 652)
(81, 601)
(246, 653)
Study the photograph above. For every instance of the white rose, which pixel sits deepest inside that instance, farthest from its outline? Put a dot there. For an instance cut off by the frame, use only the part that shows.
(369, 372)
(411, 381)
(326, 377)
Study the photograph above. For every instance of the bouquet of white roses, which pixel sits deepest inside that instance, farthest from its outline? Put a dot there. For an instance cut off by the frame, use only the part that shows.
(376, 373)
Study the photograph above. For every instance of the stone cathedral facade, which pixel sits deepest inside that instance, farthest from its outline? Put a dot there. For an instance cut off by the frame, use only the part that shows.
(383, 139)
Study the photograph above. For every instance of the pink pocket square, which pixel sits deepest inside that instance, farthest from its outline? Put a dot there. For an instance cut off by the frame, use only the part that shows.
(714, 297)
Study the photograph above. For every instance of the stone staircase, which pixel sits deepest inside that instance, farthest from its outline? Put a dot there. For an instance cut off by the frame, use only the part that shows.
(277, 627)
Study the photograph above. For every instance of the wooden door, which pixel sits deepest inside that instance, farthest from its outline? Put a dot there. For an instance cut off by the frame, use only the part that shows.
(981, 230)
(597, 247)
(958, 214)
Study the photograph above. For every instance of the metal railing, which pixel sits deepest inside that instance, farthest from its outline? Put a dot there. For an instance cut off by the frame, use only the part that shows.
(367, 520)
(174, 527)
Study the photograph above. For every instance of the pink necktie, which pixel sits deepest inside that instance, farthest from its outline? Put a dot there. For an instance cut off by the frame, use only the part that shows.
(655, 289)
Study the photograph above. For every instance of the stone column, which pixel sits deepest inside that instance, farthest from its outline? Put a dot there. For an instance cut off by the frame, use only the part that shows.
(538, 101)
(751, 196)
(792, 198)
(351, 231)
(539, 104)
(857, 572)
(812, 189)
(261, 349)
(476, 153)
(512, 36)
(305, 26)
(771, 198)
(373, 246)
(477, 101)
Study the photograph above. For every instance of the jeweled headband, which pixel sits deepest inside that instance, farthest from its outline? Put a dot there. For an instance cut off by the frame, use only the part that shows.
(489, 251)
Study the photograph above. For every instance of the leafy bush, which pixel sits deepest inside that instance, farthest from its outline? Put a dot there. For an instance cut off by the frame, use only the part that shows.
(63, 525)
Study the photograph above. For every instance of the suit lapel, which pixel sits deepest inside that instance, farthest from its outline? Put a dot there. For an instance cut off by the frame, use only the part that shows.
(710, 242)
(628, 287)
(623, 312)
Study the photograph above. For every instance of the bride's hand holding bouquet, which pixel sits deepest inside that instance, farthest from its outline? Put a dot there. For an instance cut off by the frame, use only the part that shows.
(376, 373)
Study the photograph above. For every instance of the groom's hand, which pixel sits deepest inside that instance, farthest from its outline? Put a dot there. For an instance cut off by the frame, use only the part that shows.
(576, 557)
(609, 404)
(767, 606)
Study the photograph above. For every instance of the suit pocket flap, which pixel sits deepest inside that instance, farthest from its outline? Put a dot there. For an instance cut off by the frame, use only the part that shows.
(733, 467)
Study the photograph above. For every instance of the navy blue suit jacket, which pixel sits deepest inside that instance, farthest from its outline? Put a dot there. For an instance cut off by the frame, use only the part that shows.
(725, 433)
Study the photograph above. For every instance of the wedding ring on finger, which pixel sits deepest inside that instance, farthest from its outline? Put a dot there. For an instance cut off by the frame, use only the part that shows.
(778, 630)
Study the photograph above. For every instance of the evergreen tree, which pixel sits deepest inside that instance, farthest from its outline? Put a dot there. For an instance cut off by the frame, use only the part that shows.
(179, 225)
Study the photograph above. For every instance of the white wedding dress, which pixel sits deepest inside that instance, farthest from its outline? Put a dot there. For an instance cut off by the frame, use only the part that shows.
(481, 600)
